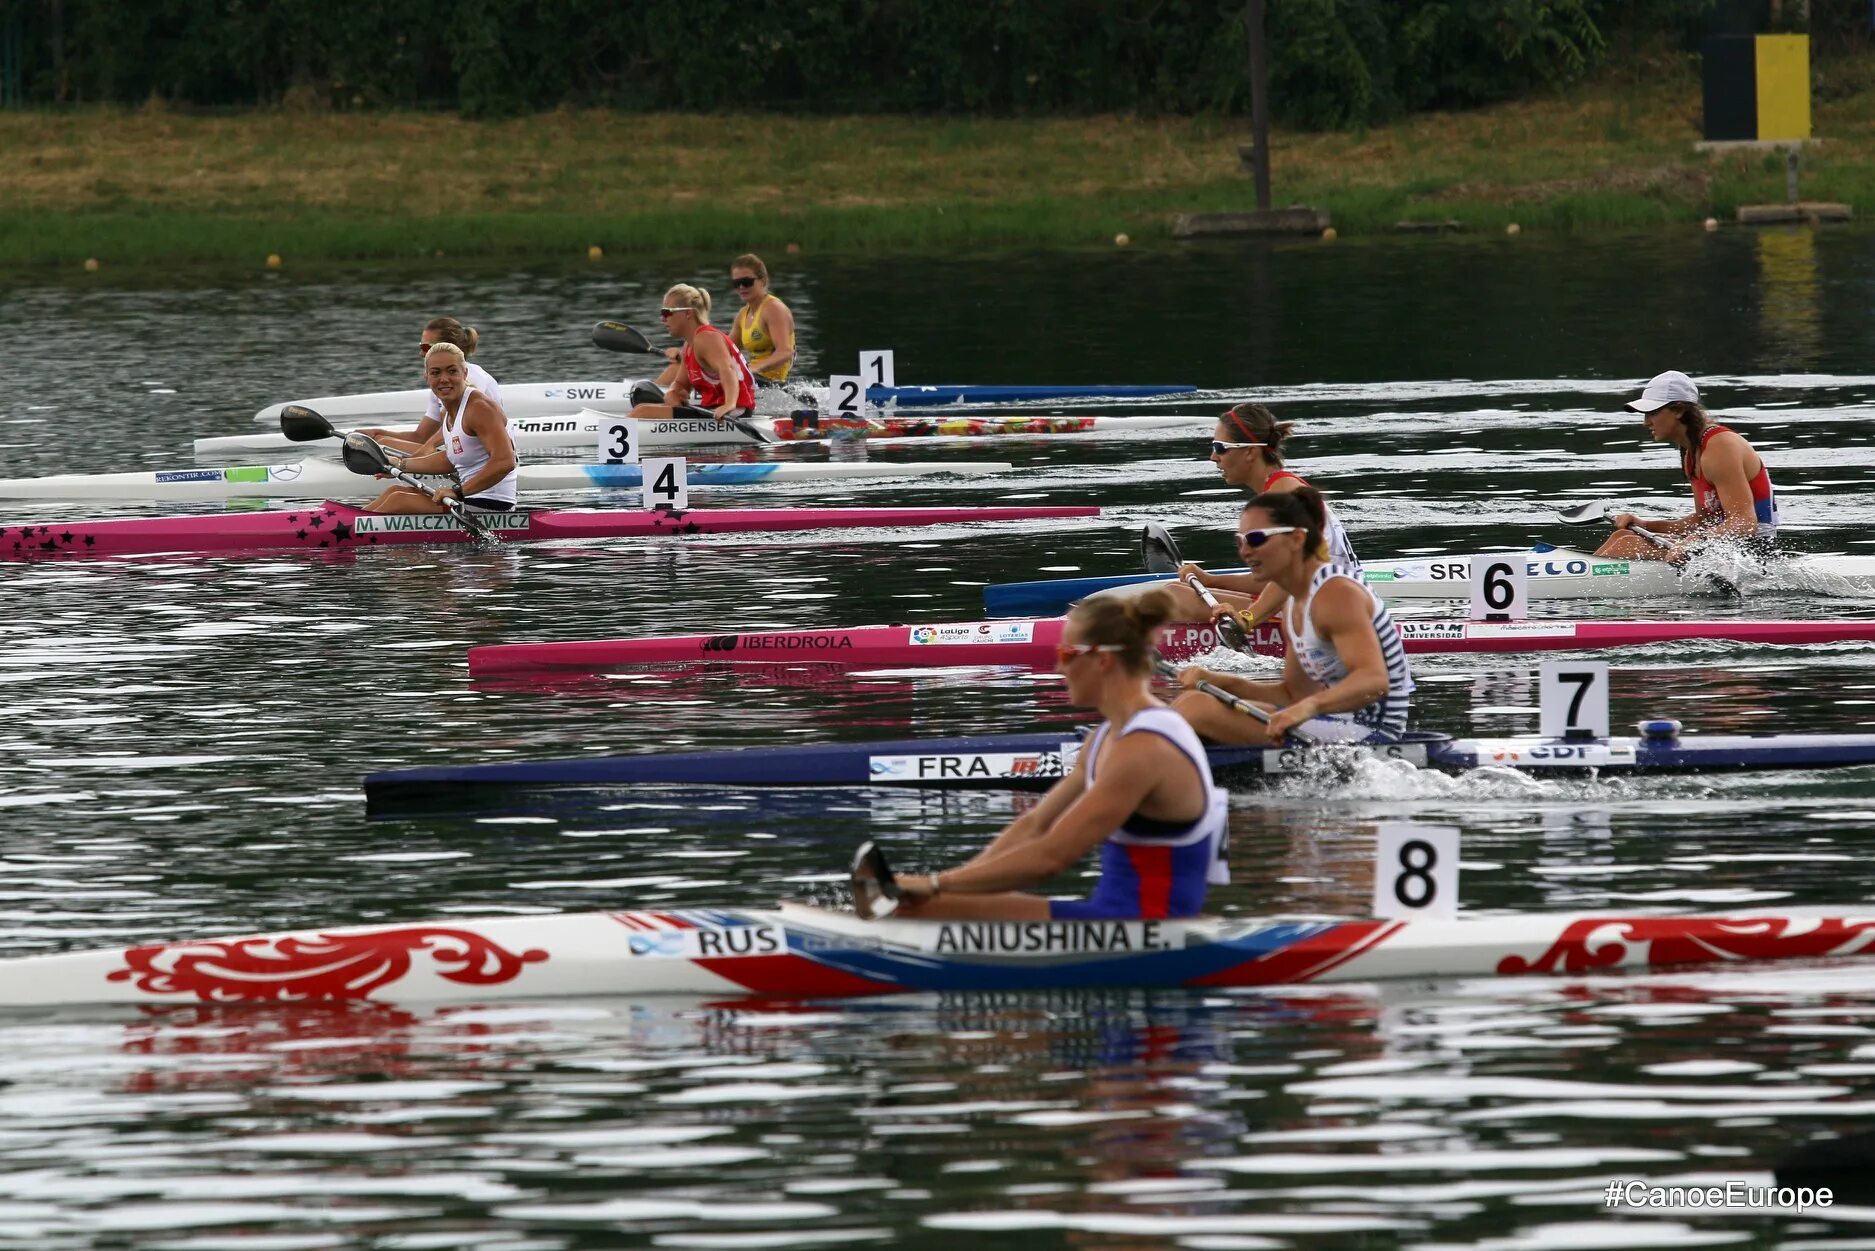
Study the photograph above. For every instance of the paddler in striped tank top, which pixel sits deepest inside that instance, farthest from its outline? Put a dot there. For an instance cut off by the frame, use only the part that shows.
(1732, 494)
(710, 377)
(1345, 677)
(1247, 448)
(764, 326)
(1140, 790)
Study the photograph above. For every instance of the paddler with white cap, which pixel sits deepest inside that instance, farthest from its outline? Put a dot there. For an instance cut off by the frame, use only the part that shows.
(1732, 494)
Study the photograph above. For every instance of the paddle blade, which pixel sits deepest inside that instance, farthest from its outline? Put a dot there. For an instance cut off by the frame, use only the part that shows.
(1158, 550)
(302, 425)
(644, 392)
(875, 887)
(364, 454)
(1584, 514)
(616, 336)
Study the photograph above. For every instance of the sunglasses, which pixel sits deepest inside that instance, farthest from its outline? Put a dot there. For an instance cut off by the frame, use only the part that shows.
(668, 313)
(743, 283)
(1065, 652)
(1254, 539)
(423, 349)
(1219, 447)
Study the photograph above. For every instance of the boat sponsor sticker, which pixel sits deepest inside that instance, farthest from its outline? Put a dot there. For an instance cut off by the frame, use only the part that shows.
(1618, 568)
(1556, 753)
(1518, 629)
(553, 425)
(709, 943)
(189, 475)
(778, 643)
(972, 632)
(1296, 759)
(389, 523)
(973, 766)
(1042, 938)
(1460, 570)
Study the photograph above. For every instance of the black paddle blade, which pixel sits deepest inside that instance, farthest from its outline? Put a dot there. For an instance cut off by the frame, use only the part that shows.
(1231, 632)
(1158, 550)
(646, 392)
(875, 886)
(616, 336)
(364, 454)
(302, 425)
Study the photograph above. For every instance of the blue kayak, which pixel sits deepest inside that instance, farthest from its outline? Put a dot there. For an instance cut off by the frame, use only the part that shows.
(1052, 596)
(913, 397)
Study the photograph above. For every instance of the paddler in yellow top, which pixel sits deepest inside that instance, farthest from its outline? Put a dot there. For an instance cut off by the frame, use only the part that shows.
(763, 328)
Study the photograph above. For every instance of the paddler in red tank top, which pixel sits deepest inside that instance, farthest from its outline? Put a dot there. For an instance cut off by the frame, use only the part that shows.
(711, 378)
(1732, 494)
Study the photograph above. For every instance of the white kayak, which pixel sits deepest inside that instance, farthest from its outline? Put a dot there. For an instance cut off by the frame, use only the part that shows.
(801, 952)
(518, 399)
(328, 479)
(1564, 573)
(579, 431)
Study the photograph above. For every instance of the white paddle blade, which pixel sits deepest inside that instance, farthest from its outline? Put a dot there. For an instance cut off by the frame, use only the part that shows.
(1584, 514)
(875, 893)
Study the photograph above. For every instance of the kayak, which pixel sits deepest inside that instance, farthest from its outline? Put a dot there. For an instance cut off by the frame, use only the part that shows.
(580, 431)
(1030, 644)
(321, 479)
(797, 951)
(1018, 761)
(1554, 573)
(532, 399)
(1423, 636)
(334, 526)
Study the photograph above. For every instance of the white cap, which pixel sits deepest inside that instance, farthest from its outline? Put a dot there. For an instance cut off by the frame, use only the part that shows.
(1672, 387)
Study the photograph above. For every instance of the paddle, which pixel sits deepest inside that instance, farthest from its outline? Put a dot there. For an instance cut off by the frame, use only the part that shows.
(1169, 671)
(875, 886)
(364, 454)
(302, 425)
(1593, 513)
(616, 336)
(1159, 551)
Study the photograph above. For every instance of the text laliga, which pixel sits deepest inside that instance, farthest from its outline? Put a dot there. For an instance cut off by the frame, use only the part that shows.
(1460, 570)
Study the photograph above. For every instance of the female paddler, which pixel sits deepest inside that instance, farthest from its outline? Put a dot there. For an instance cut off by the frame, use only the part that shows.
(475, 445)
(710, 378)
(1140, 790)
(1247, 448)
(440, 330)
(1345, 677)
(1732, 495)
(764, 326)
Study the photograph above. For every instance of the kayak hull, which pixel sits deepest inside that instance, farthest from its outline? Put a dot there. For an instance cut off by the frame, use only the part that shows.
(339, 527)
(1025, 643)
(1538, 634)
(323, 479)
(579, 432)
(800, 952)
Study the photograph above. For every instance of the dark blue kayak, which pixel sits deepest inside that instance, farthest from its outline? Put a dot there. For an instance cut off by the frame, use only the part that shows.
(914, 397)
(1006, 761)
(1052, 596)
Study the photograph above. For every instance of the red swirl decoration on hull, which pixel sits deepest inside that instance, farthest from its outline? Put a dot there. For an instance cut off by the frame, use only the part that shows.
(1596, 943)
(330, 966)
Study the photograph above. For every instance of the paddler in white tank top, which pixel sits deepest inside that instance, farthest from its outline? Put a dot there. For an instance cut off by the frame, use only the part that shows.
(1345, 676)
(1247, 448)
(1140, 790)
(427, 432)
(475, 446)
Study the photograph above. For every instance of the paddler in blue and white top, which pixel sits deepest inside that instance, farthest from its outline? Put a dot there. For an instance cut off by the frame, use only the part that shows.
(1247, 448)
(1345, 677)
(424, 437)
(1140, 790)
(1732, 493)
(475, 446)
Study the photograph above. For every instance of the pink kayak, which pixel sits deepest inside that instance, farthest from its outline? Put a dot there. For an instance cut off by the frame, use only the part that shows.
(1546, 635)
(1028, 643)
(332, 526)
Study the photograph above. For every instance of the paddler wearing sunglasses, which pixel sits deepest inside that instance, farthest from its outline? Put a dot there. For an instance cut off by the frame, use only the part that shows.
(1140, 790)
(711, 378)
(1345, 677)
(1247, 448)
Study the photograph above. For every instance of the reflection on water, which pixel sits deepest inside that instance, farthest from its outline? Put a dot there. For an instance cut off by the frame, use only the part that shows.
(186, 736)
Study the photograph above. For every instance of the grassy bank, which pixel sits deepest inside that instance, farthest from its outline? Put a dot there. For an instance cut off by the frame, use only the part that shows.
(153, 185)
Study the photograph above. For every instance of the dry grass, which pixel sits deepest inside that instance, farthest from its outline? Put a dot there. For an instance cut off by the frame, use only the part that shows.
(158, 182)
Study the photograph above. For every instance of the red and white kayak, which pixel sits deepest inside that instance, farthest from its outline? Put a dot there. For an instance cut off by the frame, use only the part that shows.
(1026, 643)
(1423, 635)
(798, 952)
(333, 526)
